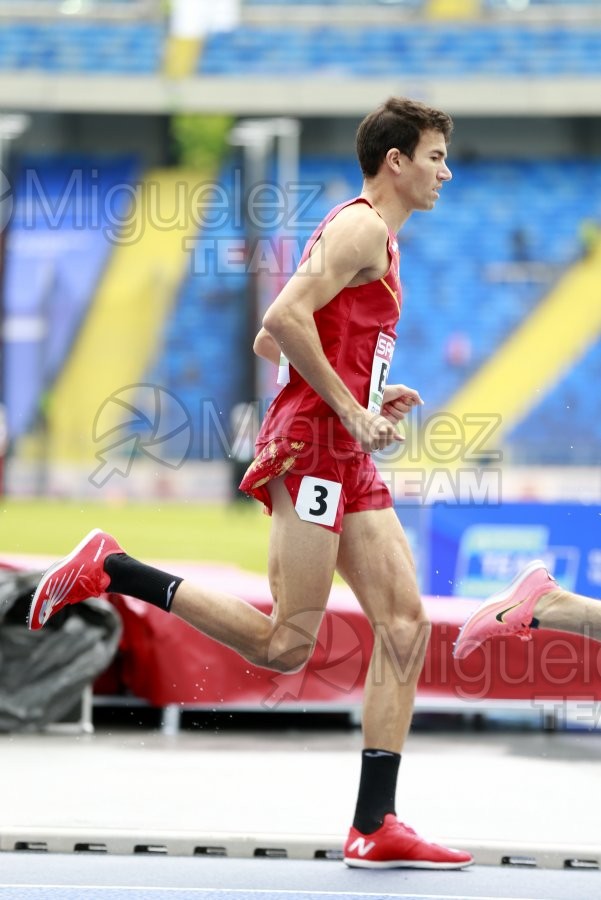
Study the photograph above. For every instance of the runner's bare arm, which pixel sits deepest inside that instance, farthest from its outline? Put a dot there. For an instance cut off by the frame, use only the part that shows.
(267, 347)
(352, 249)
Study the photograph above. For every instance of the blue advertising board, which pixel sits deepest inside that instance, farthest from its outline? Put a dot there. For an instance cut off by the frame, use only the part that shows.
(475, 551)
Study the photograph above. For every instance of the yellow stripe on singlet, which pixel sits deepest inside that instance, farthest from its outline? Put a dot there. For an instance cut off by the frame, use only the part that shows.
(393, 293)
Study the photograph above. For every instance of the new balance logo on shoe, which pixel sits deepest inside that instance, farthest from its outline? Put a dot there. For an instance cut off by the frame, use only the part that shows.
(395, 845)
(362, 846)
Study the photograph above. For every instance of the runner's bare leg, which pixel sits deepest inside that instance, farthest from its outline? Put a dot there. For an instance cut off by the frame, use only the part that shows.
(375, 560)
(300, 592)
(561, 610)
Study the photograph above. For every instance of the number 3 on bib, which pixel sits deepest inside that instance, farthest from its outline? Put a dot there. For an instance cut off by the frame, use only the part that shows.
(318, 500)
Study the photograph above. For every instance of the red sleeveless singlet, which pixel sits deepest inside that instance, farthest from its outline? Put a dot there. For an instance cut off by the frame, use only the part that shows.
(357, 332)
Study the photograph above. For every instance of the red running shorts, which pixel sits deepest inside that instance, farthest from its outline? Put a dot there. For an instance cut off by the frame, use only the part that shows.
(322, 487)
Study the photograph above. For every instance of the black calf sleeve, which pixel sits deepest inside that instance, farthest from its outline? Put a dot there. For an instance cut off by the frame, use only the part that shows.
(377, 789)
(136, 579)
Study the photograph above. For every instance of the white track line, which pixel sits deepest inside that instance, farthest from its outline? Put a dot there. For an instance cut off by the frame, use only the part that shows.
(236, 891)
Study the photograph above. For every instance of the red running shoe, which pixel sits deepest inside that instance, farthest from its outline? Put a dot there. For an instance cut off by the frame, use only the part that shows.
(75, 578)
(395, 845)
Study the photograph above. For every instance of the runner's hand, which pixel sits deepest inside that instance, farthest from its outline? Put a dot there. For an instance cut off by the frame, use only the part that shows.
(373, 432)
(398, 401)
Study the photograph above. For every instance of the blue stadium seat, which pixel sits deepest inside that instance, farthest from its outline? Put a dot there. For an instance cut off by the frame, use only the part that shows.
(400, 4)
(435, 50)
(72, 46)
(199, 362)
(57, 249)
(494, 5)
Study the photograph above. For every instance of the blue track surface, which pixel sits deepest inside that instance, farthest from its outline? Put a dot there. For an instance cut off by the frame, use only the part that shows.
(27, 876)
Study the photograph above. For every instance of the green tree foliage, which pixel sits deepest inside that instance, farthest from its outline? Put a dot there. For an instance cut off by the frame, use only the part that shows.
(200, 141)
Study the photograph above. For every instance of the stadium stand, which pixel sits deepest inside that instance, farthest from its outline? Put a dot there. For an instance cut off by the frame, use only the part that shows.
(137, 290)
(524, 6)
(473, 274)
(422, 4)
(565, 428)
(82, 46)
(437, 50)
(56, 252)
(401, 4)
(520, 221)
(44, 8)
(199, 359)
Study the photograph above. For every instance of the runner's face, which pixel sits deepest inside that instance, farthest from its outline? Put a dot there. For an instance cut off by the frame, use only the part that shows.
(427, 171)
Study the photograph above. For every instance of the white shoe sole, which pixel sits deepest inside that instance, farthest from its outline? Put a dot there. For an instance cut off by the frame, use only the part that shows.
(404, 864)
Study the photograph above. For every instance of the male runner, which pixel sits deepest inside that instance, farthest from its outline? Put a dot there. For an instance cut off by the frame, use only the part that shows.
(532, 600)
(335, 323)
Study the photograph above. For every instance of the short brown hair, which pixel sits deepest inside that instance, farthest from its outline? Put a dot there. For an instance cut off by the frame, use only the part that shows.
(397, 123)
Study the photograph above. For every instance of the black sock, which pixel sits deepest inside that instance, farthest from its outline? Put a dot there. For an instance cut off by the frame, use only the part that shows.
(128, 576)
(377, 789)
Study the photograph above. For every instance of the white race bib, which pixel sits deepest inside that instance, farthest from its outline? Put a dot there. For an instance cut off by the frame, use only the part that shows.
(379, 372)
(318, 500)
(283, 371)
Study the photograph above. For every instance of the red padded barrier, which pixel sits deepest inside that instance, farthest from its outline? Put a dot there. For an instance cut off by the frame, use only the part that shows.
(165, 661)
